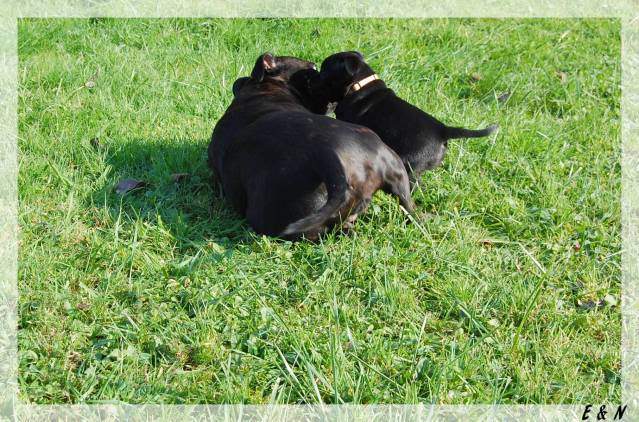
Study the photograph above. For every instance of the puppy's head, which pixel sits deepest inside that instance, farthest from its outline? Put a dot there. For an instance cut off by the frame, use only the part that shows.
(339, 72)
(280, 68)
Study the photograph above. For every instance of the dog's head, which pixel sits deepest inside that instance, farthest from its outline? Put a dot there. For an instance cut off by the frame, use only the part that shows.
(338, 73)
(281, 68)
(302, 81)
(296, 74)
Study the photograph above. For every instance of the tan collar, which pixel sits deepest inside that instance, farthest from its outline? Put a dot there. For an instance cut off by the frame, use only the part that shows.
(361, 84)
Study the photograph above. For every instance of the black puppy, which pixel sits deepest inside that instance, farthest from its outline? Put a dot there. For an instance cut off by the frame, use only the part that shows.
(289, 171)
(418, 138)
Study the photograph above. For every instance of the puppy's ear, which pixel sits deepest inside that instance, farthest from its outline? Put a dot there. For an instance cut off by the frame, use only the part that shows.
(264, 65)
(352, 64)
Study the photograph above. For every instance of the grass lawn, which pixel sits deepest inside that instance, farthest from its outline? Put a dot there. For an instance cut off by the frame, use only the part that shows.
(507, 292)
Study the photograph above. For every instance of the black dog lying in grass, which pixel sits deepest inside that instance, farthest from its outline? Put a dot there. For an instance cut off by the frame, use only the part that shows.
(418, 138)
(289, 171)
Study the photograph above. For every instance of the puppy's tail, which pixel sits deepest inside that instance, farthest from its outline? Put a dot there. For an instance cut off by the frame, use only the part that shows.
(460, 132)
(334, 177)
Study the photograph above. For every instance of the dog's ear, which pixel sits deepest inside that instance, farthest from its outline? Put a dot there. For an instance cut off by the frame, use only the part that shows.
(238, 84)
(265, 64)
(352, 64)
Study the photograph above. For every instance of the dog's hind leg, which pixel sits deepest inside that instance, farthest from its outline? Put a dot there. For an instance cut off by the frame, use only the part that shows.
(396, 183)
(331, 172)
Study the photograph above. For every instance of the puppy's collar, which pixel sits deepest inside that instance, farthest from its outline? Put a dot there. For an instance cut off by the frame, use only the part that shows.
(361, 84)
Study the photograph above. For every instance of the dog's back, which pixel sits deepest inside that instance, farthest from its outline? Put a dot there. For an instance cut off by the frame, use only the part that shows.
(322, 177)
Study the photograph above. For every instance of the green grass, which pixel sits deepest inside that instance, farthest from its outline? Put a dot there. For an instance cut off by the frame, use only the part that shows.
(164, 295)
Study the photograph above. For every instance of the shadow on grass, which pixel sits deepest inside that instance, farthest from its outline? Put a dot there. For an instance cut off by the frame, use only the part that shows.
(178, 197)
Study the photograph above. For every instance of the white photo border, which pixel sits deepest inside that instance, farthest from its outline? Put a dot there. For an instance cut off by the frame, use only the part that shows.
(626, 10)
